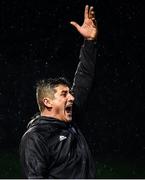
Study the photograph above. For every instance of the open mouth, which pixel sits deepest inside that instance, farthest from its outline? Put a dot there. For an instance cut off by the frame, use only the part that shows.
(68, 109)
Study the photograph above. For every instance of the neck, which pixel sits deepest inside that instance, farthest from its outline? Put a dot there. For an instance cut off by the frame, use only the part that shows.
(51, 114)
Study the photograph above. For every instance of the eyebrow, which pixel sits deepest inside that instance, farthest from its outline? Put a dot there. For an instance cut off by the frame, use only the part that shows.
(64, 91)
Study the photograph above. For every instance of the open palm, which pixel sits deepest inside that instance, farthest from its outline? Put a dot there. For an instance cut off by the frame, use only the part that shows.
(89, 27)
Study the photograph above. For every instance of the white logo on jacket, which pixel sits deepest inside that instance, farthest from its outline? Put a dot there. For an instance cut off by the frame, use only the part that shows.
(61, 138)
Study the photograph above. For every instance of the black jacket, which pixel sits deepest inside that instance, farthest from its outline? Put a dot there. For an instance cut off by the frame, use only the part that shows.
(54, 149)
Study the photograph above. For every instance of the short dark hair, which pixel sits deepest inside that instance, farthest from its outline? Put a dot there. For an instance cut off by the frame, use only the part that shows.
(46, 88)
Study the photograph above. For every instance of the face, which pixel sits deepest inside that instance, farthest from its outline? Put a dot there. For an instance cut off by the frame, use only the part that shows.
(62, 103)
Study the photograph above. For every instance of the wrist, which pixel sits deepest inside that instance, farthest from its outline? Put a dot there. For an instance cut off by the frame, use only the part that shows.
(91, 39)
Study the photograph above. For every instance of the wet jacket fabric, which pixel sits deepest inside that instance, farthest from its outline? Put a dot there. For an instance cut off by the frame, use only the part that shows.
(51, 148)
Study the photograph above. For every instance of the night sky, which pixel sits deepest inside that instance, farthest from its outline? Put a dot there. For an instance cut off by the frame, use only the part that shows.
(37, 41)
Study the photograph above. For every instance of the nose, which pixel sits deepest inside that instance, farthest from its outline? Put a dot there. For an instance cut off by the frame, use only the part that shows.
(71, 97)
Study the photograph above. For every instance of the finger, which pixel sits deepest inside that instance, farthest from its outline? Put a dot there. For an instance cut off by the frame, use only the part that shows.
(86, 12)
(91, 10)
(94, 22)
(76, 25)
(92, 14)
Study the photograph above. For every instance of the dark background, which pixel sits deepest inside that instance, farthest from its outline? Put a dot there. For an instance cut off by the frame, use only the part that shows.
(37, 41)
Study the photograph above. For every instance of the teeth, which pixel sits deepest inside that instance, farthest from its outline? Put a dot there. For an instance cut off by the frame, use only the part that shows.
(68, 108)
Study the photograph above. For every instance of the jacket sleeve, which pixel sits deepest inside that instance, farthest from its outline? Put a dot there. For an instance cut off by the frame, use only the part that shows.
(85, 73)
(33, 161)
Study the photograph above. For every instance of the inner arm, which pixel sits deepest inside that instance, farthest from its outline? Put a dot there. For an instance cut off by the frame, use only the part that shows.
(84, 74)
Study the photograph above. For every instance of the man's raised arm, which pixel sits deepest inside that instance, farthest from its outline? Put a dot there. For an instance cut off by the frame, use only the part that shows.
(86, 67)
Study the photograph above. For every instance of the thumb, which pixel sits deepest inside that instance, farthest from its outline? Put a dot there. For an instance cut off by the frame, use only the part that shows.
(76, 25)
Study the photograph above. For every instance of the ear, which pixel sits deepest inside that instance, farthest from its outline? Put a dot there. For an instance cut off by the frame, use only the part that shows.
(47, 102)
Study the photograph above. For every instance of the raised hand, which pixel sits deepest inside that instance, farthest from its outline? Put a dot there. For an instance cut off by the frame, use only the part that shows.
(89, 27)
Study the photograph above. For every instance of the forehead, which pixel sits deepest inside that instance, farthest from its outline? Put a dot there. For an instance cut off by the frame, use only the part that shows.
(61, 88)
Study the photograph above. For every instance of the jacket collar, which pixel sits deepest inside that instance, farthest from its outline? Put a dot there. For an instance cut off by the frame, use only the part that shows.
(43, 120)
